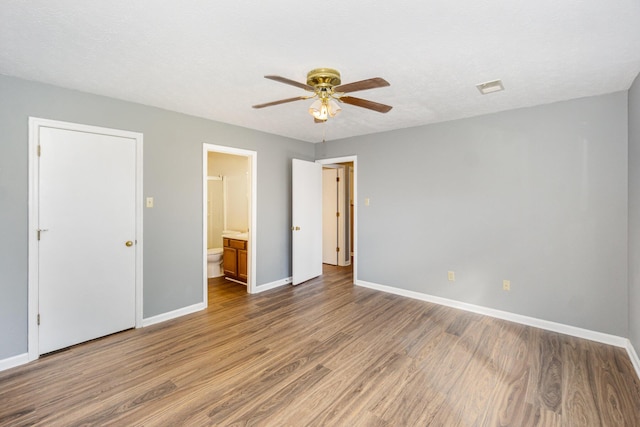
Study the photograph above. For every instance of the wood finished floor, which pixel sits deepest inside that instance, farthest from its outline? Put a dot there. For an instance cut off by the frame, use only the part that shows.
(326, 353)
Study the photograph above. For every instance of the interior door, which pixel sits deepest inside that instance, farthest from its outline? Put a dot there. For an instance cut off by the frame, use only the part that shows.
(86, 251)
(329, 216)
(306, 218)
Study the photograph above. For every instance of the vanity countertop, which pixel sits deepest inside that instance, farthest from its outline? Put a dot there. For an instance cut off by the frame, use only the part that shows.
(236, 236)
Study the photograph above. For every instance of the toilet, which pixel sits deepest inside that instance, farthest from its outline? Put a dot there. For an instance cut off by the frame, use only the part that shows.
(214, 262)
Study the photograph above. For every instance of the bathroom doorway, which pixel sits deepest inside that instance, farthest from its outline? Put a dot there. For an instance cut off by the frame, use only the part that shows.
(229, 210)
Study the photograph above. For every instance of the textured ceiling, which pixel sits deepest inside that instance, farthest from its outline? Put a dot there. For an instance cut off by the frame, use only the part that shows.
(208, 58)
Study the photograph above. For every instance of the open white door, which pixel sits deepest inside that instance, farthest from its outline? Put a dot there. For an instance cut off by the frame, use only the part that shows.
(306, 219)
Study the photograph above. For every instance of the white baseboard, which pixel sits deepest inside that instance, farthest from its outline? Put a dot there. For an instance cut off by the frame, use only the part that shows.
(273, 285)
(517, 318)
(173, 314)
(13, 361)
(634, 357)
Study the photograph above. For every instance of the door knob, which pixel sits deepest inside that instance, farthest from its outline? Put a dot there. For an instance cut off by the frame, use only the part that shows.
(129, 243)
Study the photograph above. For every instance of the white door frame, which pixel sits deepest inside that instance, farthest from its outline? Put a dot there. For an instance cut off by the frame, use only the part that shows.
(34, 136)
(353, 159)
(253, 209)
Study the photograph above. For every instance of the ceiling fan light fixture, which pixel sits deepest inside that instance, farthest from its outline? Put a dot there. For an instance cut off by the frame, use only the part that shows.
(334, 108)
(323, 108)
(319, 110)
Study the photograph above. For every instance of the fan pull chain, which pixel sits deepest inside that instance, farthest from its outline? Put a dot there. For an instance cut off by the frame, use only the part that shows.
(324, 131)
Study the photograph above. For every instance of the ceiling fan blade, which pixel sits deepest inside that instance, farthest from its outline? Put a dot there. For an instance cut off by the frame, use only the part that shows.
(359, 102)
(282, 101)
(362, 85)
(291, 82)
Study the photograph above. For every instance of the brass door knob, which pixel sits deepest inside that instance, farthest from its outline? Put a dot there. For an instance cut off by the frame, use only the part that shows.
(129, 243)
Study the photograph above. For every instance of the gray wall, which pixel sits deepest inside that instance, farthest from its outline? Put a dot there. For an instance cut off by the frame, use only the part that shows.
(634, 214)
(172, 175)
(537, 196)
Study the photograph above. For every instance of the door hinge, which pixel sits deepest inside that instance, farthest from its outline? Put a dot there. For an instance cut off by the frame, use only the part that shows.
(38, 319)
(38, 234)
(337, 179)
(39, 150)
(338, 249)
(338, 214)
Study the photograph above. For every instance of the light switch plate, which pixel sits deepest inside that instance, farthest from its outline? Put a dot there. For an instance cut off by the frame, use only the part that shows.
(149, 202)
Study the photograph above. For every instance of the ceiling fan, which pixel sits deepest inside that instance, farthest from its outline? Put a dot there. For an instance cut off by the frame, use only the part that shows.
(326, 86)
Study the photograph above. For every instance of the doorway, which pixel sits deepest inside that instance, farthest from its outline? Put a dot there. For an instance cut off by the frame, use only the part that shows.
(85, 233)
(348, 217)
(236, 207)
(336, 214)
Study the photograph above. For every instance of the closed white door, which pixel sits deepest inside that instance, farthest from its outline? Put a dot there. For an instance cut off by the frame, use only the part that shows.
(86, 251)
(330, 216)
(306, 216)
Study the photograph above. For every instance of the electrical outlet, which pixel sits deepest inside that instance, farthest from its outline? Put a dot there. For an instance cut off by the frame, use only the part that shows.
(451, 275)
(506, 285)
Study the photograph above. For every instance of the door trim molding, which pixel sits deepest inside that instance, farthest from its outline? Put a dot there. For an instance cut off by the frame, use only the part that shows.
(35, 124)
(253, 213)
(347, 159)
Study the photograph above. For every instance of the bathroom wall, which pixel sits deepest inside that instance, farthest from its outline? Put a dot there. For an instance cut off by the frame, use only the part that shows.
(235, 169)
(537, 196)
(215, 212)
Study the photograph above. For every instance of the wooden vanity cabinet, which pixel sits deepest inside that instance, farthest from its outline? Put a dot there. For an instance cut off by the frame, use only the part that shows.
(234, 259)
(242, 265)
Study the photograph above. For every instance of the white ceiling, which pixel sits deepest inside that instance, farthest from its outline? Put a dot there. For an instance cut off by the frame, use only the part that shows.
(207, 58)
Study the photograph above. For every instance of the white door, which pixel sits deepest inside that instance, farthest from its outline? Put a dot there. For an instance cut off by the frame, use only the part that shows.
(86, 251)
(330, 216)
(306, 218)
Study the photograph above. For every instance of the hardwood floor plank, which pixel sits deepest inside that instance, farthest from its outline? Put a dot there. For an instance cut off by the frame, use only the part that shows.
(604, 379)
(510, 359)
(326, 353)
(413, 403)
(270, 410)
(577, 404)
(353, 397)
(483, 372)
(550, 381)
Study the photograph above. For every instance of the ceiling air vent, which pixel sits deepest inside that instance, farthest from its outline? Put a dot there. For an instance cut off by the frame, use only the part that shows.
(490, 87)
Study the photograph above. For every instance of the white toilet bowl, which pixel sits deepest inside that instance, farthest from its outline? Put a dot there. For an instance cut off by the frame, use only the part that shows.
(214, 262)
